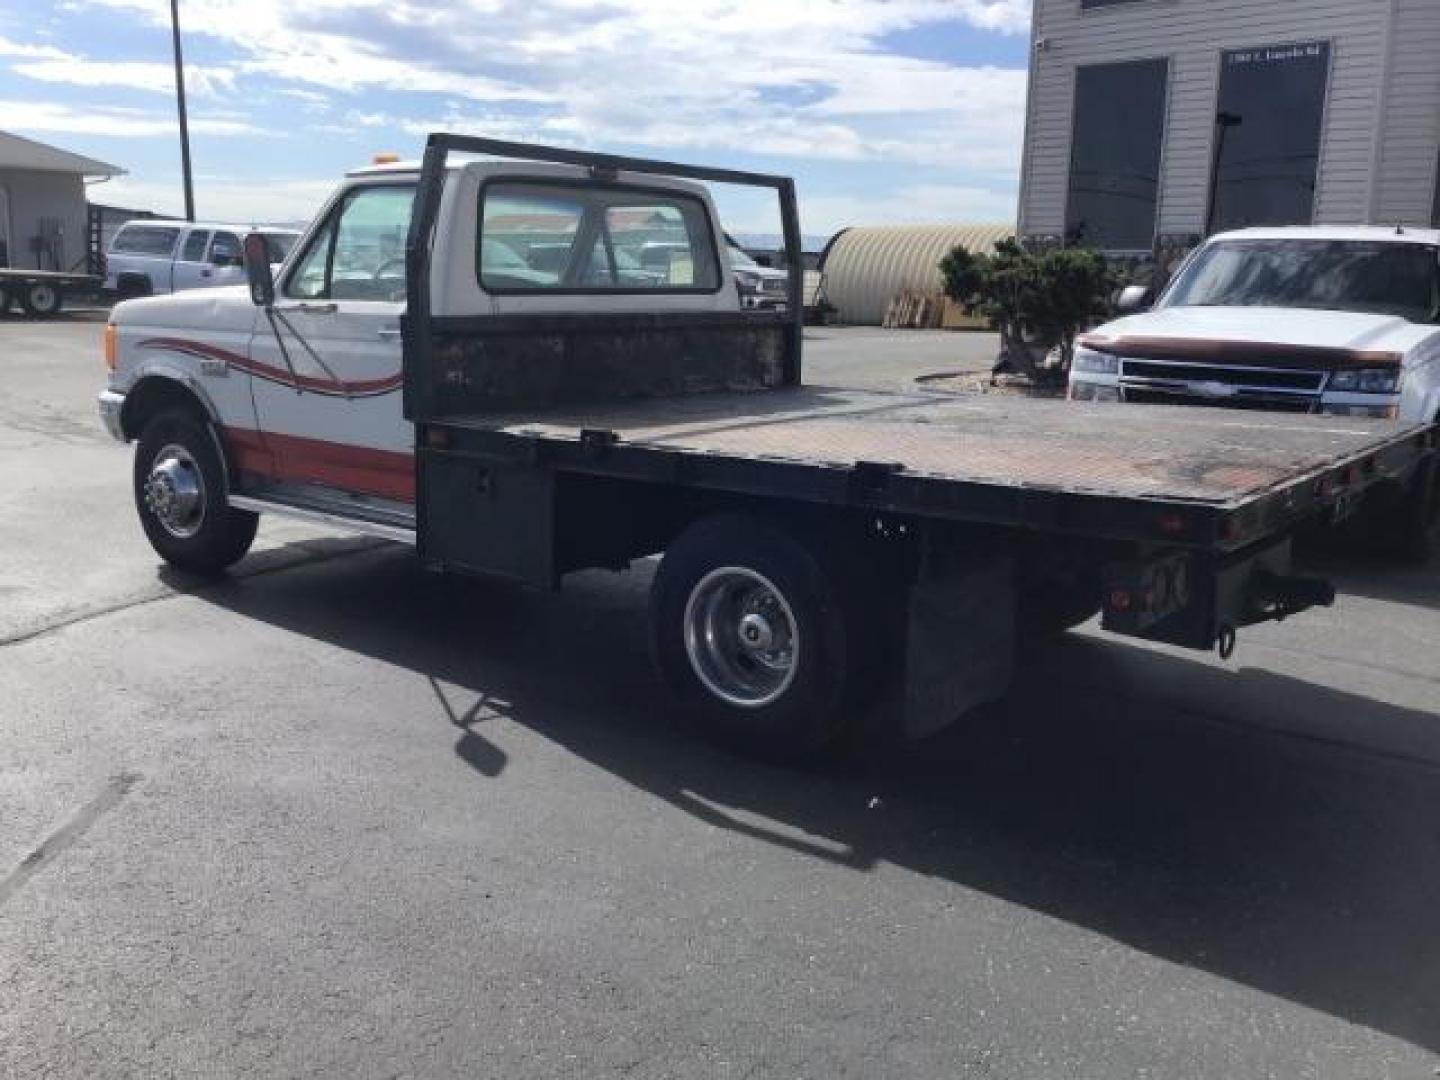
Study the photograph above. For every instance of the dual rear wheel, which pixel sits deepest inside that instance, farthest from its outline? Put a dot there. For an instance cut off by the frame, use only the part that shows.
(763, 636)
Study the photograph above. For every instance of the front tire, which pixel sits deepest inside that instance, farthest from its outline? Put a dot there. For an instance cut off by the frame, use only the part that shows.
(179, 483)
(760, 636)
(42, 300)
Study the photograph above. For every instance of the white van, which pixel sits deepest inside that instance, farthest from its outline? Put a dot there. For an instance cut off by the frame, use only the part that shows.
(149, 257)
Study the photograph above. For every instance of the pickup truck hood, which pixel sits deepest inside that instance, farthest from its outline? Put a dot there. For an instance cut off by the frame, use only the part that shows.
(223, 307)
(1218, 330)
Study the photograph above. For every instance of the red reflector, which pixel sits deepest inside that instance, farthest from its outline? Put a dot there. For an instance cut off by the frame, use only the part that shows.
(1120, 600)
(1348, 476)
(1323, 487)
(1173, 524)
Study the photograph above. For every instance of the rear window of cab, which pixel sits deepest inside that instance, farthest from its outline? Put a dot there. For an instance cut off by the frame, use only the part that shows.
(551, 238)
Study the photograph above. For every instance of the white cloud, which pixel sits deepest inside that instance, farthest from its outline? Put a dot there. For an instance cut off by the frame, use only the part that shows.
(38, 52)
(132, 74)
(222, 198)
(812, 80)
(113, 122)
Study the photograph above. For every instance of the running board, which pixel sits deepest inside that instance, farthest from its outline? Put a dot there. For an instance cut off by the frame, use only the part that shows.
(319, 516)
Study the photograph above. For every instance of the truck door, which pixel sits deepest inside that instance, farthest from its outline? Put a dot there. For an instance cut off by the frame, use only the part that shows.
(192, 270)
(328, 364)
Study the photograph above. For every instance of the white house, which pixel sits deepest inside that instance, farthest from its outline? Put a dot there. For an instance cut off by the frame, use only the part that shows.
(43, 218)
(1153, 122)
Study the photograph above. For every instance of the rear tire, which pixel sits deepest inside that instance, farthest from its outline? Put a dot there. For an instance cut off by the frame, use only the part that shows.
(759, 634)
(179, 483)
(42, 300)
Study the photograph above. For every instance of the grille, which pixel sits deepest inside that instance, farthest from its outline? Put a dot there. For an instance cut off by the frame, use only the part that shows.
(1265, 378)
(1267, 402)
(773, 285)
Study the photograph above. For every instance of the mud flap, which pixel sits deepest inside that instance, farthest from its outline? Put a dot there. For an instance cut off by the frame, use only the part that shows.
(960, 642)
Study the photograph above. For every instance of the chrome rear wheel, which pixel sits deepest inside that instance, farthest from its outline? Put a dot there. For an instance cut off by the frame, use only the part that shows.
(742, 637)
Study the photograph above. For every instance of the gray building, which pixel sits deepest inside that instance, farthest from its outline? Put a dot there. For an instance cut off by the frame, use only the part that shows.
(43, 220)
(1153, 122)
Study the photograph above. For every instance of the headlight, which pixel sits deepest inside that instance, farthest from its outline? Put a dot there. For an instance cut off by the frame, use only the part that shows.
(1095, 362)
(1384, 380)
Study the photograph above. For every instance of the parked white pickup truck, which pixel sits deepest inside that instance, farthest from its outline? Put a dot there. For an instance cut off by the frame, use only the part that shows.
(536, 365)
(149, 257)
(1341, 322)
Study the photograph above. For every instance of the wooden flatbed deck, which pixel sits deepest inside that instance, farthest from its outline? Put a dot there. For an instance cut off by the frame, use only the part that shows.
(1214, 458)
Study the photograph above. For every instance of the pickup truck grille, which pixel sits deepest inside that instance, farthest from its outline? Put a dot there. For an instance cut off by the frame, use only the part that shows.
(773, 285)
(1221, 385)
(1267, 378)
(1292, 403)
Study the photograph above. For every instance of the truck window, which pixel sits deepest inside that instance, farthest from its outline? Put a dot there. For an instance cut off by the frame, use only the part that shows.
(539, 237)
(225, 251)
(359, 253)
(158, 240)
(194, 249)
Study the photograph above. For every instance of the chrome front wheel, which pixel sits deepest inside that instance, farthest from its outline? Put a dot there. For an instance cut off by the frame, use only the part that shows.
(174, 491)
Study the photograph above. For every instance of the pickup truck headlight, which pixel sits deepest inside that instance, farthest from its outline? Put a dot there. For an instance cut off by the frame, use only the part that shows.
(1095, 362)
(1384, 380)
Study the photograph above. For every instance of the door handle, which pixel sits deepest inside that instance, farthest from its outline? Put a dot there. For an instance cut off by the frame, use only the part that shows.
(310, 309)
(389, 333)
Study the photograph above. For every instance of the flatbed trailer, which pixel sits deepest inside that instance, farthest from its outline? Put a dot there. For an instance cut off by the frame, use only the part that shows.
(896, 545)
(41, 293)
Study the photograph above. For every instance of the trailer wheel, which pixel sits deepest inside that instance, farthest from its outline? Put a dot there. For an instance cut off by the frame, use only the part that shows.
(41, 300)
(179, 482)
(758, 632)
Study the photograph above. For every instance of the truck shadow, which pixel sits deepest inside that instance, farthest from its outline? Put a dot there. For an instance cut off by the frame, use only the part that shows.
(1271, 831)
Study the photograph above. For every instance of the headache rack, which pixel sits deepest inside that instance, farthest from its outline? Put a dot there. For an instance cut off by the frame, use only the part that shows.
(580, 335)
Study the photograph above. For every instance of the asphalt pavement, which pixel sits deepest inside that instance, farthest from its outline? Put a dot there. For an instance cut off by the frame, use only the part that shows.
(334, 817)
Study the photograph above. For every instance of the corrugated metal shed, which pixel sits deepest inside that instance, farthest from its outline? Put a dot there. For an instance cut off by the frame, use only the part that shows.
(867, 266)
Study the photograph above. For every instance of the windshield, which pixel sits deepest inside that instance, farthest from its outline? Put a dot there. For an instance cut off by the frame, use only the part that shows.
(1335, 275)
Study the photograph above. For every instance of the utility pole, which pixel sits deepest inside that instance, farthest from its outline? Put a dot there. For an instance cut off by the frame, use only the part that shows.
(180, 101)
(1224, 121)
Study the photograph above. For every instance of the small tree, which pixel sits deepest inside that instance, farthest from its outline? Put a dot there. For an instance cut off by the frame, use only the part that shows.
(1037, 302)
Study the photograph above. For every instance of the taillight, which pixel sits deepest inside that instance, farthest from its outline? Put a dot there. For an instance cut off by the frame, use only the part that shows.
(112, 347)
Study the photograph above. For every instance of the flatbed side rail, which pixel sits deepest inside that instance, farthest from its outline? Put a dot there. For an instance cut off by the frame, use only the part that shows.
(1220, 527)
(418, 326)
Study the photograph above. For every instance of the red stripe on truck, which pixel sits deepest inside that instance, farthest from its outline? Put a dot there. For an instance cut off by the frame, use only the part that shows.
(325, 385)
(294, 459)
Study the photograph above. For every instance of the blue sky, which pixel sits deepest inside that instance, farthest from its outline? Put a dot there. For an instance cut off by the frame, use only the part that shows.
(883, 110)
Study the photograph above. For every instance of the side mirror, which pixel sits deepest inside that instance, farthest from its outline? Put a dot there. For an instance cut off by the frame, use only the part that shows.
(1134, 299)
(257, 270)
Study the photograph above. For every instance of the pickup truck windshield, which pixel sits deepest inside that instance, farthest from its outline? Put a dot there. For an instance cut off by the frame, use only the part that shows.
(1378, 277)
